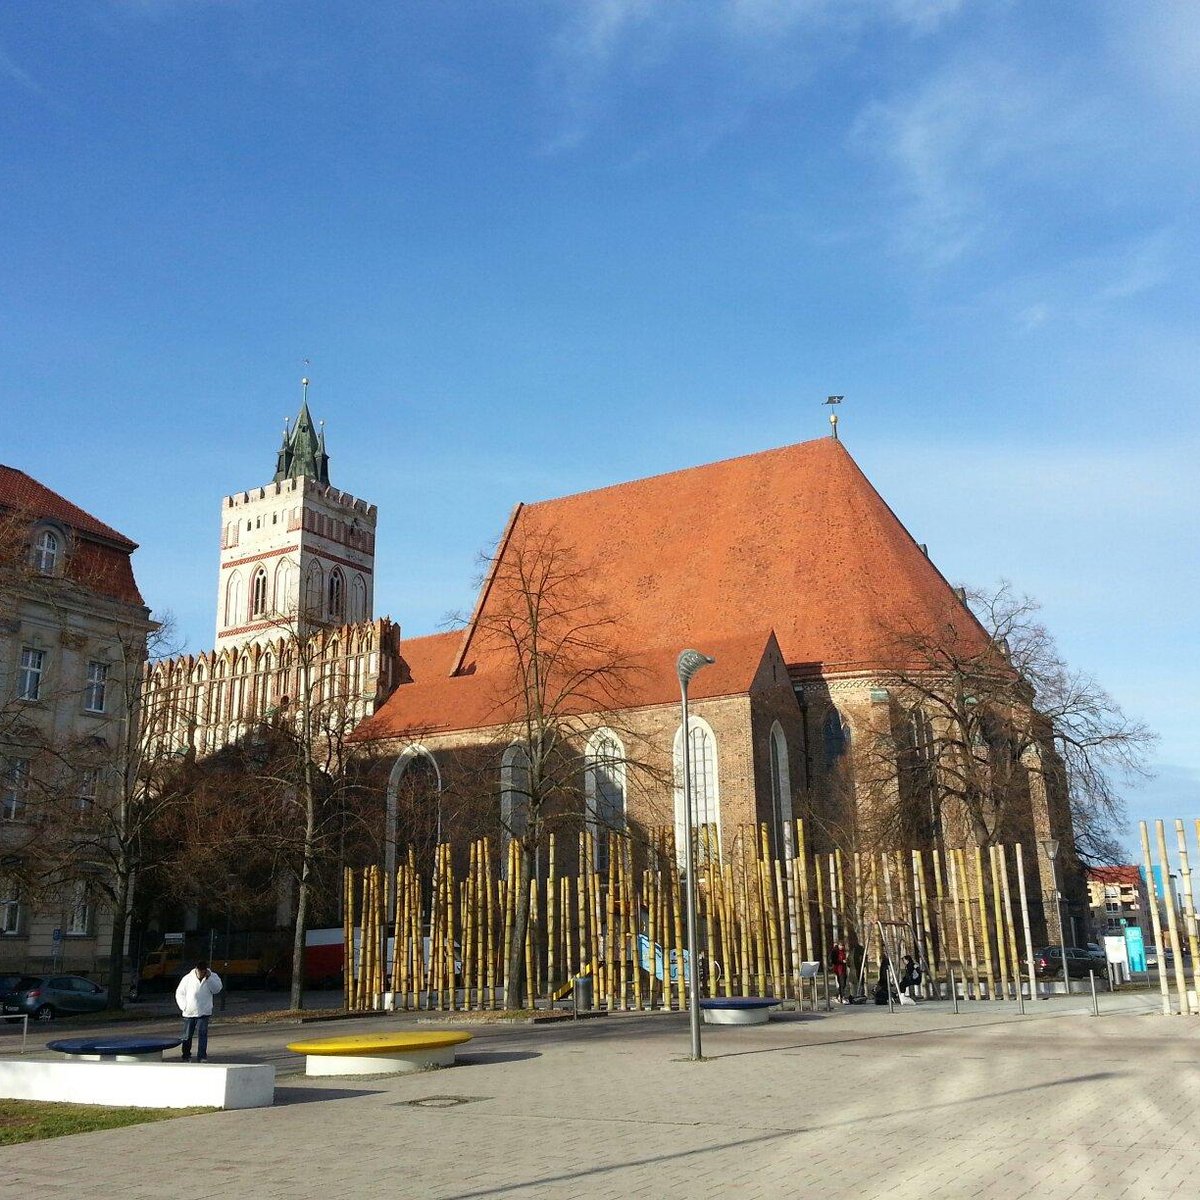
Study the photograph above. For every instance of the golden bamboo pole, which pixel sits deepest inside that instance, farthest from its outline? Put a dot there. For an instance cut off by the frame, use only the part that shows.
(1010, 922)
(581, 906)
(964, 876)
(364, 941)
(1025, 918)
(985, 939)
(998, 921)
(928, 946)
(530, 976)
(594, 916)
(648, 890)
(821, 926)
(783, 932)
(723, 874)
(451, 896)
(347, 934)
(1189, 906)
(677, 928)
(876, 917)
(568, 942)
(611, 912)
(952, 870)
(634, 907)
(770, 918)
(943, 924)
(489, 916)
(1185, 1005)
(1156, 922)
(802, 866)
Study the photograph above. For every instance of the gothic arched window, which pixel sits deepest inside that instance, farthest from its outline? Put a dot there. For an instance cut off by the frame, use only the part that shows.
(314, 586)
(337, 595)
(604, 791)
(258, 593)
(706, 796)
(358, 599)
(837, 736)
(233, 600)
(781, 794)
(514, 799)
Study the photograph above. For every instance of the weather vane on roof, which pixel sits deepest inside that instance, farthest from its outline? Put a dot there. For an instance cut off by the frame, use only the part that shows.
(833, 418)
(304, 381)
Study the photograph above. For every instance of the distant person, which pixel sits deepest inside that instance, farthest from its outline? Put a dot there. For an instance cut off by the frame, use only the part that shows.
(911, 976)
(194, 995)
(838, 964)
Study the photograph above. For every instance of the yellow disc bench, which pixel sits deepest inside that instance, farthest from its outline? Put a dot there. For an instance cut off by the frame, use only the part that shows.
(380, 1053)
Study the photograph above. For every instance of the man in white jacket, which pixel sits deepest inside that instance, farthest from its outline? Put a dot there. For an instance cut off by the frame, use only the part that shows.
(194, 995)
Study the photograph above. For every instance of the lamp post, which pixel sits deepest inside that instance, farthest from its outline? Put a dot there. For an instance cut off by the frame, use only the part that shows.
(686, 666)
(1050, 847)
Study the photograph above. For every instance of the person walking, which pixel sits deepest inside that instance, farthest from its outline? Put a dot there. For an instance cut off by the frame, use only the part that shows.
(194, 995)
(837, 960)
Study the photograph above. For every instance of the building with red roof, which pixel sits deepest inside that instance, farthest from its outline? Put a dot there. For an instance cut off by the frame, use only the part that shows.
(73, 629)
(786, 566)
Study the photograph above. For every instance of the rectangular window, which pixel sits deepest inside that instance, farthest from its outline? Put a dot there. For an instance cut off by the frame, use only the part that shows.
(13, 788)
(79, 921)
(89, 786)
(33, 666)
(1112, 906)
(10, 907)
(97, 685)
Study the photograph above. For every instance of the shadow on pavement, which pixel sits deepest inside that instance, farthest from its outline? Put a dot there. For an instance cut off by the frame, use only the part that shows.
(312, 1095)
(487, 1057)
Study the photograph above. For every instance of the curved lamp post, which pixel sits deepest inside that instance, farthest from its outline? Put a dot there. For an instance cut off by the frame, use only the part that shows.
(1050, 847)
(686, 666)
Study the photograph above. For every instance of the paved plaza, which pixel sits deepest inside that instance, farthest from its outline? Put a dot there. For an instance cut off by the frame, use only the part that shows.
(858, 1102)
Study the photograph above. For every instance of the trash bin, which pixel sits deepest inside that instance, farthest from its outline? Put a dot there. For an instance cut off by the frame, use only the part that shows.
(583, 993)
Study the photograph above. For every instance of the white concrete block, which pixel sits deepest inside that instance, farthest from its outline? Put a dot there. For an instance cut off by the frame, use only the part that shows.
(140, 1084)
(379, 1064)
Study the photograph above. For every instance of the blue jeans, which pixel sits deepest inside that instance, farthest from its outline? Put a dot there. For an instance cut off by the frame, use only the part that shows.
(192, 1025)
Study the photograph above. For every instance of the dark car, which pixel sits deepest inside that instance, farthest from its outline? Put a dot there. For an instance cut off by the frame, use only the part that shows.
(1048, 963)
(13, 983)
(48, 996)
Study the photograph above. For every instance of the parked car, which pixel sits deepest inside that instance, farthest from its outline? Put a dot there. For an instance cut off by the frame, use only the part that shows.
(13, 983)
(1098, 955)
(1048, 963)
(48, 996)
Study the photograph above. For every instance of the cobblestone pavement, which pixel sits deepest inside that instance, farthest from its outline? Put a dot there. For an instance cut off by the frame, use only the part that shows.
(859, 1102)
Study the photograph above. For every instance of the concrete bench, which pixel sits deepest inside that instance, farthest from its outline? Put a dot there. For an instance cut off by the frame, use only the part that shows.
(737, 1010)
(139, 1084)
(115, 1049)
(379, 1053)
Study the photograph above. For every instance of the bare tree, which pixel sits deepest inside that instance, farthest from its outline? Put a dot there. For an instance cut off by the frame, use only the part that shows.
(985, 711)
(560, 675)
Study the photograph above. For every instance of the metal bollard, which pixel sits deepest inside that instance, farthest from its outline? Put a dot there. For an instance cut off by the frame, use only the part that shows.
(1095, 1000)
(954, 990)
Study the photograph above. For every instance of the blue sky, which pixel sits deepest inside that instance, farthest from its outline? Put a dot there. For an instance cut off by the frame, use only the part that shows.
(535, 247)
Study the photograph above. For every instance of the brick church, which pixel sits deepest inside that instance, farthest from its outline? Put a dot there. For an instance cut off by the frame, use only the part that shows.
(785, 566)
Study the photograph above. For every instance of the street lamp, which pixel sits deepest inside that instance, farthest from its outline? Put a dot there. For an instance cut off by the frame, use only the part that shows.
(1050, 847)
(686, 666)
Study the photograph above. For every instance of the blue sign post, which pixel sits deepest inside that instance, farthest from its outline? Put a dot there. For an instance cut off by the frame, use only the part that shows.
(1135, 948)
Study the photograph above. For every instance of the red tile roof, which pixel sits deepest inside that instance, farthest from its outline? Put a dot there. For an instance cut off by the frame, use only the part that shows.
(1130, 876)
(101, 556)
(794, 540)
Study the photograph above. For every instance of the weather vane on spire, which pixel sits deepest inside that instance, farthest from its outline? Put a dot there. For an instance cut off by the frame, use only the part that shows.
(304, 381)
(833, 417)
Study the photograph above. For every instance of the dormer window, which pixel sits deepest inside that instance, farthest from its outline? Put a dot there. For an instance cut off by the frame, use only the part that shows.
(47, 549)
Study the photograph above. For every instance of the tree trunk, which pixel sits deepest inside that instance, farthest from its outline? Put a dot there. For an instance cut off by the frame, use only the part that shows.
(298, 939)
(116, 942)
(514, 970)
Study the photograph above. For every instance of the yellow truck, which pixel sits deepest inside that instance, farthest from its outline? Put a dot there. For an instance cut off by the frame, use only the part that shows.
(163, 968)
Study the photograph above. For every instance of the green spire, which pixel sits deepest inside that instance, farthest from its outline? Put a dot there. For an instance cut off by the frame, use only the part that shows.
(303, 450)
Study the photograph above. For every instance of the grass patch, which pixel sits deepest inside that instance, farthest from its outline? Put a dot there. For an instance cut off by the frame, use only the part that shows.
(33, 1120)
(286, 1015)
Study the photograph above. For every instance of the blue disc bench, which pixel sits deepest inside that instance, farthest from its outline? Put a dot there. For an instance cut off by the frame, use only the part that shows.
(115, 1049)
(737, 1010)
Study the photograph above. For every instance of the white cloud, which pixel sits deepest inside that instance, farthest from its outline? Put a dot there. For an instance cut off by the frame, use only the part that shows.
(959, 138)
(765, 45)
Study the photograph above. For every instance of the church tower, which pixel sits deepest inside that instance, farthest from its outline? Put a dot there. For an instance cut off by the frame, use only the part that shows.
(297, 555)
